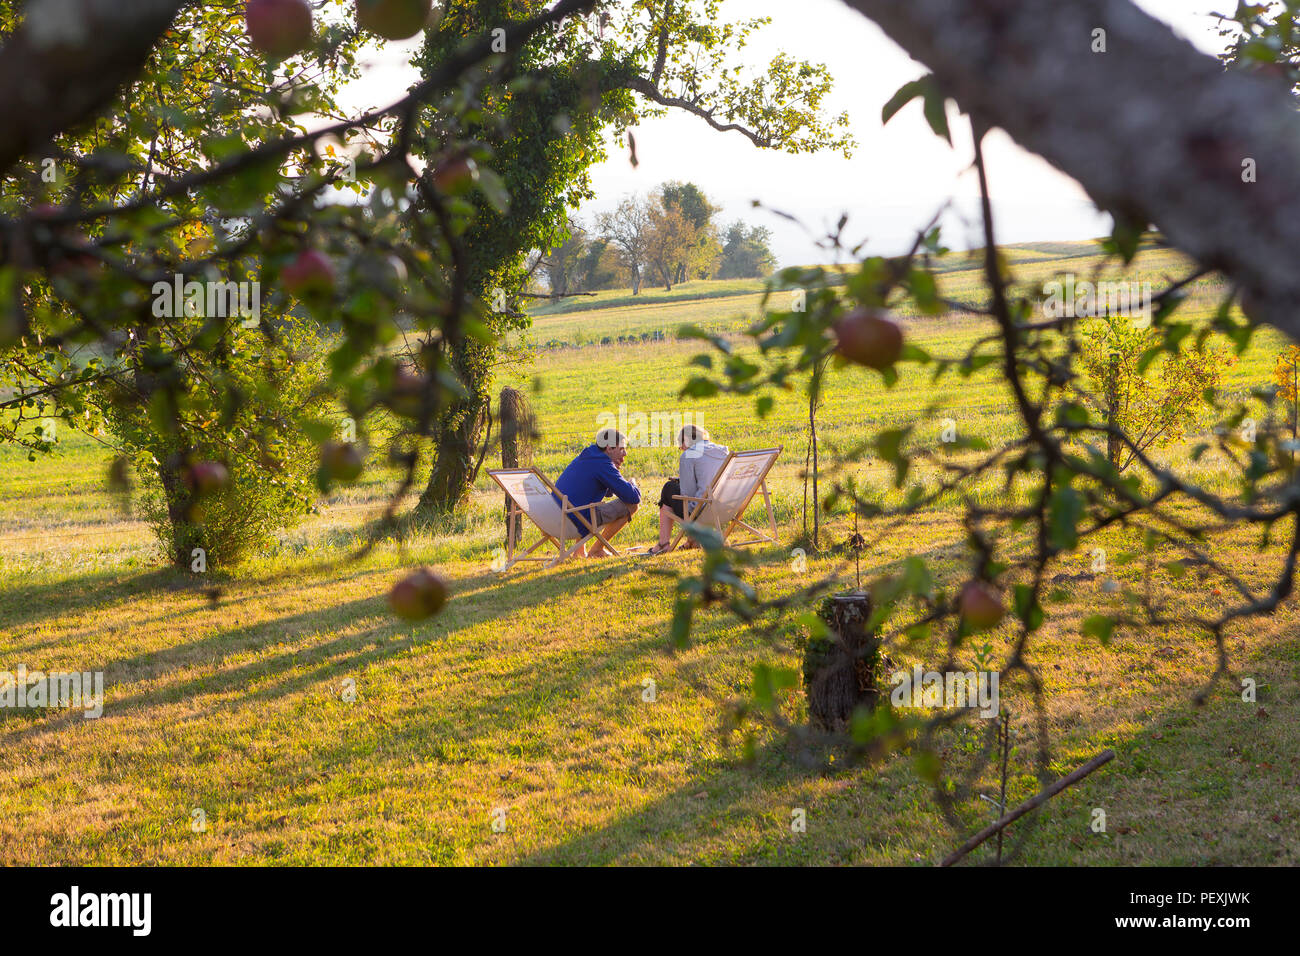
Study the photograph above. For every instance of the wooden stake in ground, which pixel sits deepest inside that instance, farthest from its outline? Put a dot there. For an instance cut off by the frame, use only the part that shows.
(516, 441)
(1033, 802)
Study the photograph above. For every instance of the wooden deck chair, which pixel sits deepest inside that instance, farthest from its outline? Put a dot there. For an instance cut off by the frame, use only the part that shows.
(727, 498)
(530, 493)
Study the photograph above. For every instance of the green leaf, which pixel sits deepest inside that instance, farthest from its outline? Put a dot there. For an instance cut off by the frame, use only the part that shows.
(936, 115)
(904, 95)
(1027, 607)
(494, 190)
(699, 387)
(933, 104)
(769, 682)
(1099, 626)
(1064, 511)
(680, 630)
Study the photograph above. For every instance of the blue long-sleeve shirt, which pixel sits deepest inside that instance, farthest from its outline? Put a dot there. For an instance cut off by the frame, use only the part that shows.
(592, 477)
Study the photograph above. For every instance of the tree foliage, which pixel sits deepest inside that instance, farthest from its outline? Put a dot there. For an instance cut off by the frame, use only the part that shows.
(573, 89)
(1153, 396)
(203, 170)
(746, 252)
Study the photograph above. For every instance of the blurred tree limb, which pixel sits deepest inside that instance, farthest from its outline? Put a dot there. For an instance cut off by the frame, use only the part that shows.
(67, 60)
(1153, 129)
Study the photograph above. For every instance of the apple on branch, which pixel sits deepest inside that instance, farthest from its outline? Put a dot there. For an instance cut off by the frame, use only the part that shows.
(71, 256)
(980, 605)
(866, 337)
(206, 477)
(341, 461)
(393, 19)
(455, 174)
(408, 393)
(279, 28)
(309, 276)
(419, 595)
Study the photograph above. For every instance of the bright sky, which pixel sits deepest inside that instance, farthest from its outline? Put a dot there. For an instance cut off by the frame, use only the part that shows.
(899, 175)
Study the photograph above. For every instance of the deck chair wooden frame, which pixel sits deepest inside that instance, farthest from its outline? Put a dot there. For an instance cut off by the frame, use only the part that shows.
(695, 505)
(560, 541)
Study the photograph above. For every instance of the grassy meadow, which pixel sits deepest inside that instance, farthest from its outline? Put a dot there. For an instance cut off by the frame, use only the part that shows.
(295, 720)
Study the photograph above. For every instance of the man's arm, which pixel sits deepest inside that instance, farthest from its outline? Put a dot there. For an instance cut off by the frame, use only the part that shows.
(619, 486)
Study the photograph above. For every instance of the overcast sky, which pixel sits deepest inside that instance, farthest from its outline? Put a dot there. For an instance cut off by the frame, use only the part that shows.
(899, 175)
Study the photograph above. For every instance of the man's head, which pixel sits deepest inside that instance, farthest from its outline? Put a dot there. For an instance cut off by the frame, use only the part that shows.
(689, 435)
(613, 443)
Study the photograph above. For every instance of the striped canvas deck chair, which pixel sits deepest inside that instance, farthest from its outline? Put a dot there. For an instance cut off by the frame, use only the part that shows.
(529, 492)
(724, 504)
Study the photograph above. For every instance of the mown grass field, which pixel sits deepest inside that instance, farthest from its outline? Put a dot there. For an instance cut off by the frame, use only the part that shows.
(523, 701)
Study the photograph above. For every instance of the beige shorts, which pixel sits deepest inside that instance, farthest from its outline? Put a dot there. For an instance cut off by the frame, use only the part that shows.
(601, 514)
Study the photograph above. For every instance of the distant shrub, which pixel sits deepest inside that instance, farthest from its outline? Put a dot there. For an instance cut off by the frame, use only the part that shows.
(270, 458)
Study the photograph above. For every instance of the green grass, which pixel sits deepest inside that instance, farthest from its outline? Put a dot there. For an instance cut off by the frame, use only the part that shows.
(526, 694)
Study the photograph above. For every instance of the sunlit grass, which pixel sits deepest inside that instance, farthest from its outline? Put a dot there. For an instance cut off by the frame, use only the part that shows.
(526, 694)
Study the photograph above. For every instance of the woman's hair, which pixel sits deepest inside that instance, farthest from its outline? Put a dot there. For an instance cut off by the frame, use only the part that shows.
(690, 434)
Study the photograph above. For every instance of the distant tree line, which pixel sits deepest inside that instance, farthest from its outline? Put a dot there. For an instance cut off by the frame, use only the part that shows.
(667, 237)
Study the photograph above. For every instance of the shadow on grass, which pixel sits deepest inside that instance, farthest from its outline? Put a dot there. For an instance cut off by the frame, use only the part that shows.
(30, 604)
(475, 601)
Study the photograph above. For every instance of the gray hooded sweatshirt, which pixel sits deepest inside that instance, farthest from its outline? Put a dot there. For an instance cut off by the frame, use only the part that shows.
(698, 465)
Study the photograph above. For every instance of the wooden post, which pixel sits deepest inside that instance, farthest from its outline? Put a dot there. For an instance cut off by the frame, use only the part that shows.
(516, 446)
(812, 433)
(814, 400)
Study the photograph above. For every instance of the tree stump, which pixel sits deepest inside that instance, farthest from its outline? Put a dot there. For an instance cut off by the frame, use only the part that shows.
(842, 671)
(516, 442)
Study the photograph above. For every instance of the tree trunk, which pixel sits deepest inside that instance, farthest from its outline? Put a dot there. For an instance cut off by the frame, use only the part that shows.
(453, 470)
(1112, 411)
(559, 279)
(636, 281)
(1030, 68)
(185, 535)
(841, 673)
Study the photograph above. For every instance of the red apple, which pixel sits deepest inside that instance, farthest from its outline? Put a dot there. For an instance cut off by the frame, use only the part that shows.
(76, 264)
(981, 605)
(310, 275)
(73, 259)
(868, 338)
(341, 461)
(406, 397)
(419, 595)
(455, 174)
(393, 19)
(205, 477)
(279, 28)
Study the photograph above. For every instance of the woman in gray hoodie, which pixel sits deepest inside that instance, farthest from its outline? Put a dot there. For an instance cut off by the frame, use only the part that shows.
(700, 461)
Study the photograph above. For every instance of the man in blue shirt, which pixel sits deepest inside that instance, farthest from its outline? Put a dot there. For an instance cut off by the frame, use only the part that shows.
(592, 477)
